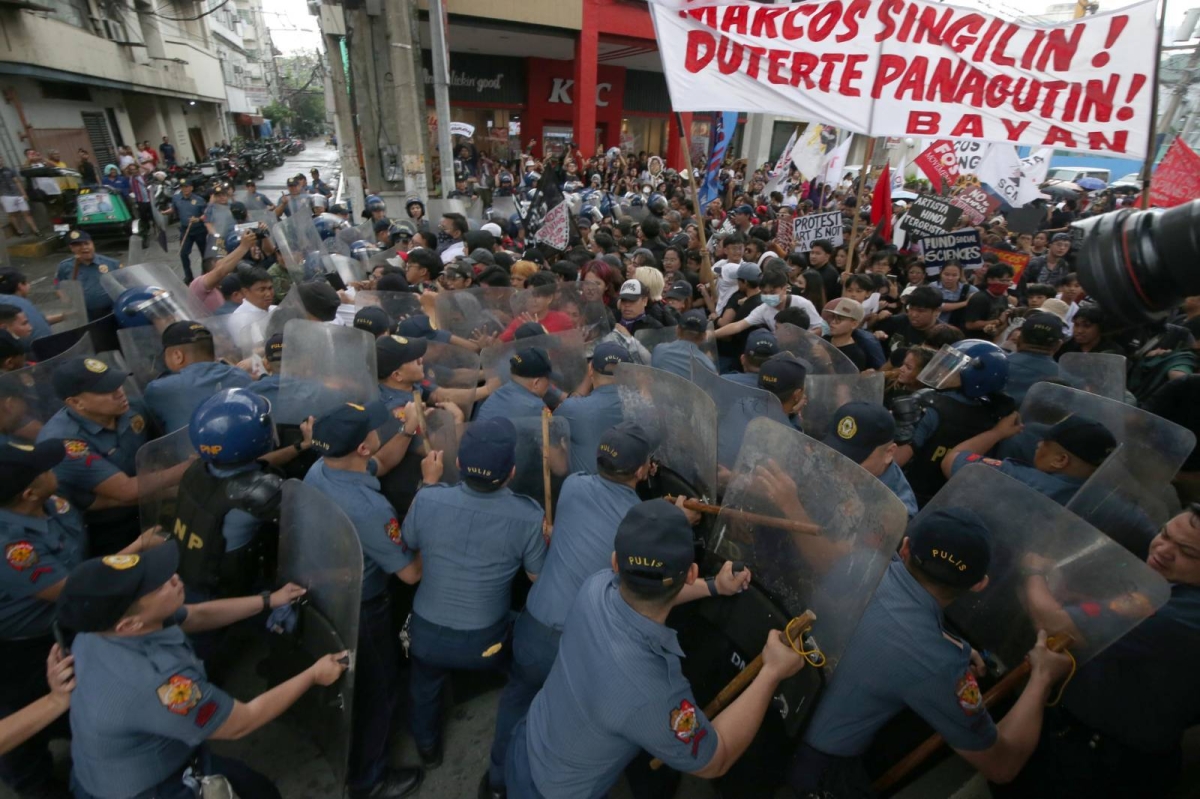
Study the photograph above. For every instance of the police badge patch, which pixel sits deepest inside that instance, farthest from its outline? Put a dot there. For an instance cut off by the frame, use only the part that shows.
(137, 424)
(179, 694)
(970, 698)
(686, 725)
(21, 555)
(75, 448)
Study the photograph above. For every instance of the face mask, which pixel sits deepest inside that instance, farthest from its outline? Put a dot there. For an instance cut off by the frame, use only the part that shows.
(997, 289)
(771, 300)
(444, 238)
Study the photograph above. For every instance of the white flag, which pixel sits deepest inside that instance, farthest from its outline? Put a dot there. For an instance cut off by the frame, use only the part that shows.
(898, 177)
(786, 156)
(834, 165)
(1035, 166)
(1001, 170)
(809, 152)
(556, 227)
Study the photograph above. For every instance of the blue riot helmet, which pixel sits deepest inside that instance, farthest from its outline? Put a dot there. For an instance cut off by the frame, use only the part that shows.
(506, 179)
(657, 204)
(361, 247)
(514, 222)
(607, 206)
(232, 241)
(590, 214)
(232, 427)
(128, 307)
(636, 201)
(324, 229)
(375, 203)
(980, 366)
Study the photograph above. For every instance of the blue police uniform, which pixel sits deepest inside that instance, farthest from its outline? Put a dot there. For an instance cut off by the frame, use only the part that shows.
(41, 328)
(472, 544)
(260, 200)
(1059, 487)
(1025, 369)
(94, 296)
(378, 659)
(928, 671)
(94, 454)
(676, 357)
(588, 418)
(142, 707)
(267, 386)
(38, 552)
(195, 235)
(616, 688)
(172, 397)
(930, 420)
(742, 378)
(893, 477)
(589, 511)
(510, 401)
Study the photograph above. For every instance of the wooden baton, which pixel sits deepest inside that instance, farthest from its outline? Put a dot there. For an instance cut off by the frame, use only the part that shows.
(804, 528)
(546, 470)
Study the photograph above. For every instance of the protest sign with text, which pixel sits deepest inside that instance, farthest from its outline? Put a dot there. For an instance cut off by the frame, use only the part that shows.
(1177, 179)
(939, 162)
(917, 68)
(970, 153)
(976, 203)
(929, 216)
(963, 246)
(814, 227)
(1017, 260)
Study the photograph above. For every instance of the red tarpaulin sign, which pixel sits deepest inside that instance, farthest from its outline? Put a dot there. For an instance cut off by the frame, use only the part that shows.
(939, 162)
(1017, 260)
(1177, 179)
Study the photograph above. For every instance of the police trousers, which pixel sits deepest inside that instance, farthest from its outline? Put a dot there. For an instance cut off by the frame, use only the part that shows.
(375, 694)
(245, 781)
(517, 776)
(534, 648)
(29, 766)
(196, 236)
(436, 651)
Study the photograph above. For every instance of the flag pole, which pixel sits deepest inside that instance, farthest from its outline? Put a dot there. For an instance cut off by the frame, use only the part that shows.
(862, 185)
(1151, 145)
(706, 273)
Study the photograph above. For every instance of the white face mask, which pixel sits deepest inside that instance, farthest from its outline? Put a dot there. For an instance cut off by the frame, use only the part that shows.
(771, 300)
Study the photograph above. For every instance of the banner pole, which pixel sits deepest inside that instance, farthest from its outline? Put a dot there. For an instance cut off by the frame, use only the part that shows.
(706, 273)
(1151, 145)
(862, 185)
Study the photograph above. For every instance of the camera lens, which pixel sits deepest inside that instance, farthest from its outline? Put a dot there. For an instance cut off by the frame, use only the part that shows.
(1140, 264)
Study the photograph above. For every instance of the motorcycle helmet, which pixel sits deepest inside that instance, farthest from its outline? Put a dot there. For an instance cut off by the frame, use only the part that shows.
(981, 367)
(232, 427)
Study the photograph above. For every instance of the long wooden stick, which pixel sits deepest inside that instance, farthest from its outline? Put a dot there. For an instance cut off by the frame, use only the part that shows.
(706, 273)
(546, 466)
(742, 681)
(804, 528)
(858, 203)
(1006, 685)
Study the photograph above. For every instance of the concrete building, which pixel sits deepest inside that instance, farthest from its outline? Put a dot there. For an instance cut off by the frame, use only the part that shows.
(244, 47)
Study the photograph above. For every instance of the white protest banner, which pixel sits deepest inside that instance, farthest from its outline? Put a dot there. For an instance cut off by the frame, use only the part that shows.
(814, 227)
(1035, 166)
(929, 216)
(1001, 172)
(783, 165)
(809, 152)
(556, 227)
(835, 163)
(970, 153)
(960, 245)
(462, 129)
(917, 68)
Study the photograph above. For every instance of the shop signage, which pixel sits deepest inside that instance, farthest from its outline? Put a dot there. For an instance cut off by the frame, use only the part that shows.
(560, 92)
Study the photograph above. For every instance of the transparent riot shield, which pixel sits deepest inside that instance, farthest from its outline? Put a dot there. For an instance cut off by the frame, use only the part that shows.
(62, 305)
(1049, 570)
(397, 304)
(1099, 373)
(161, 222)
(474, 312)
(156, 497)
(220, 220)
(737, 406)
(532, 459)
(591, 319)
(823, 358)
(567, 359)
(1124, 500)
(142, 348)
(680, 419)
(821, 530)
(455, 371)
(319, 549)
(27, 396)
(324, 367)
(652, 338)
(172, 302)
(435, 209)
(824, 394)
(137, 253)
(231, 342)
(349, 269)
(503, 209)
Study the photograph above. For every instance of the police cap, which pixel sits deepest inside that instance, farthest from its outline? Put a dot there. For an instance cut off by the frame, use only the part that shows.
(859, 428)
(21, 464)
(623, 448)
(339, 432)
(99, 591)
(531, 362)
(392, 352)
(951, 545)
(654, 545)
(82, 375)
(488, 451)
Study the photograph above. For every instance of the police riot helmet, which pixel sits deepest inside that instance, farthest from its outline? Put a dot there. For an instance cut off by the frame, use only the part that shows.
(657, 204)
(324, 229)
(982, 368)
(375, 203)
(232, 426)
(129, 307)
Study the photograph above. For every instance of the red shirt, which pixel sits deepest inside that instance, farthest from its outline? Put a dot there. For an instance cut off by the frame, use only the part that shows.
(553, 321)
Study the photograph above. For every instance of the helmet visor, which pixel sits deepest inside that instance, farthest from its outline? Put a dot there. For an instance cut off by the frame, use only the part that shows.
(945, 363)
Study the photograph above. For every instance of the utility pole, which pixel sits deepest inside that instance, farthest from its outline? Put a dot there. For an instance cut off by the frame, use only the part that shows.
(441, 91)
(342, 120)
(363, 85)
(408, 96)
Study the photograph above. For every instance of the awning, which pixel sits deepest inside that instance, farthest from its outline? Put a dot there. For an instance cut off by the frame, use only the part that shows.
(247, 119)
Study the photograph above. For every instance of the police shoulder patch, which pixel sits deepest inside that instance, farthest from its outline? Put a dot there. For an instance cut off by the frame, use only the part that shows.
(137, 423)
(61, 506)
(21, 555)
(685, 725)
(179, 694)
(393, 532)
(76, 448)
(970, 698)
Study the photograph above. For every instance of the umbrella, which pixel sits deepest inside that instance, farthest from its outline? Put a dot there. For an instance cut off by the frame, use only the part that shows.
(901, 194)
(1062, 189)
(1091, 184)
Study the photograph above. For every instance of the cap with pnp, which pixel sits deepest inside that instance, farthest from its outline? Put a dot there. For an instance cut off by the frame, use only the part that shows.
(607, 355)
(694, 321)
(782, 374)
(373, 319)
(859, 428)
(531, 362)
(21, 464)
(179, 334)
(83, 375)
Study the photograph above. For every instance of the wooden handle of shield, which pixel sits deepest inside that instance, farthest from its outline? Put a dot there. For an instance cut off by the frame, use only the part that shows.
(1005, 686)
(742, 681)
(546, 469)
(803, 528)
(419, 407)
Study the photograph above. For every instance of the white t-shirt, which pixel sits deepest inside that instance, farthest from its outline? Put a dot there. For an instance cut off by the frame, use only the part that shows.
(765, 315)
(726, 286)
(252, 311)
(453, 251)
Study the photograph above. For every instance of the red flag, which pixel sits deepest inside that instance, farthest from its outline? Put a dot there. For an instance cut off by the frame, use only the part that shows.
(1177, 179)
(881, 205)
(939, 162)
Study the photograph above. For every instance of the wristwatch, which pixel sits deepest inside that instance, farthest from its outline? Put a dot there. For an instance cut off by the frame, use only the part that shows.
(712, 586)
(298, 446)
(266, 598)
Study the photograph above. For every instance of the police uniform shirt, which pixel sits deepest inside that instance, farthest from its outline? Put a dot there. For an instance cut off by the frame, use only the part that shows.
(893, 477)
(374, 519)
(926, 670)
(267, 386)
(94, 296)
(1059, 487)
(471, 546)
(41, 328)
(94, 453)
(742, 378)
(141, 707)
(676, 357)
(187, 209)
(1025, 369)
(616, 688)
(510, 401)
(589, 418)
(589, 510)
(931, 418)
(172, 397)
(395, 398)
(38, 552)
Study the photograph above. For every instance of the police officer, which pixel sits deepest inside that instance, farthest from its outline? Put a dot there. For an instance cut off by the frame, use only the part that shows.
(346, 473)
(760, 345)
(783, 375)
(865, 433)
(969, 378)
(945, 555)
(616, 687)
(268, 385)
(87, 266)
(256, 200)
(188, 209)
(1066, 456)
(677, 356)
(1041, 335)
(473, 538)
(14, 290)
(521, 397)
(101, 431)
(591, 415)
(143, 706)
(194, 375)
(401, 369)
(374, 320)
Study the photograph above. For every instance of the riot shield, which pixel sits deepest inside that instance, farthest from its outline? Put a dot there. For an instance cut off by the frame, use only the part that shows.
(220, 220)
(257, 210)
(397, 304)
(824, 394)
(65, 300)
(503, 209)
(137, 252)
(567, 360)
(142, 348)
(27, 396)
(319, 549)
(231, 340)
(156, 501)
(1099, 373)
(530, 457)
(834, 530)
(468, 313)
(172, 301)
(1123, 500)
(680, 420)
(324, 367)
(1049, 570)
(737, 406)
(455, 371)
(652, 338)
(435, 209)
(349, 269)
(591, 319)
(823, 358)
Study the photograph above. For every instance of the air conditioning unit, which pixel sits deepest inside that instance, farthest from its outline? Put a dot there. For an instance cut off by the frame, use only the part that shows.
(238, 70)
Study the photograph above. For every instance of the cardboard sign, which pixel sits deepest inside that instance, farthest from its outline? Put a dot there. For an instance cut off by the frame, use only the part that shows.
(1017, 260)
(963, 246)
(462, 129)
(929, 216)
(814, 227)
(976, 204)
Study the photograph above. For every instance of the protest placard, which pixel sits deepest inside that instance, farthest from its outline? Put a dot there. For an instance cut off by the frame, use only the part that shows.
(976, 204)
(929, 216)
(1177, 179)
(1017, 260)
(814, 227)
(970, 153)
(939, 162)
(917, 68)
(462, 129)
(963, 246)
